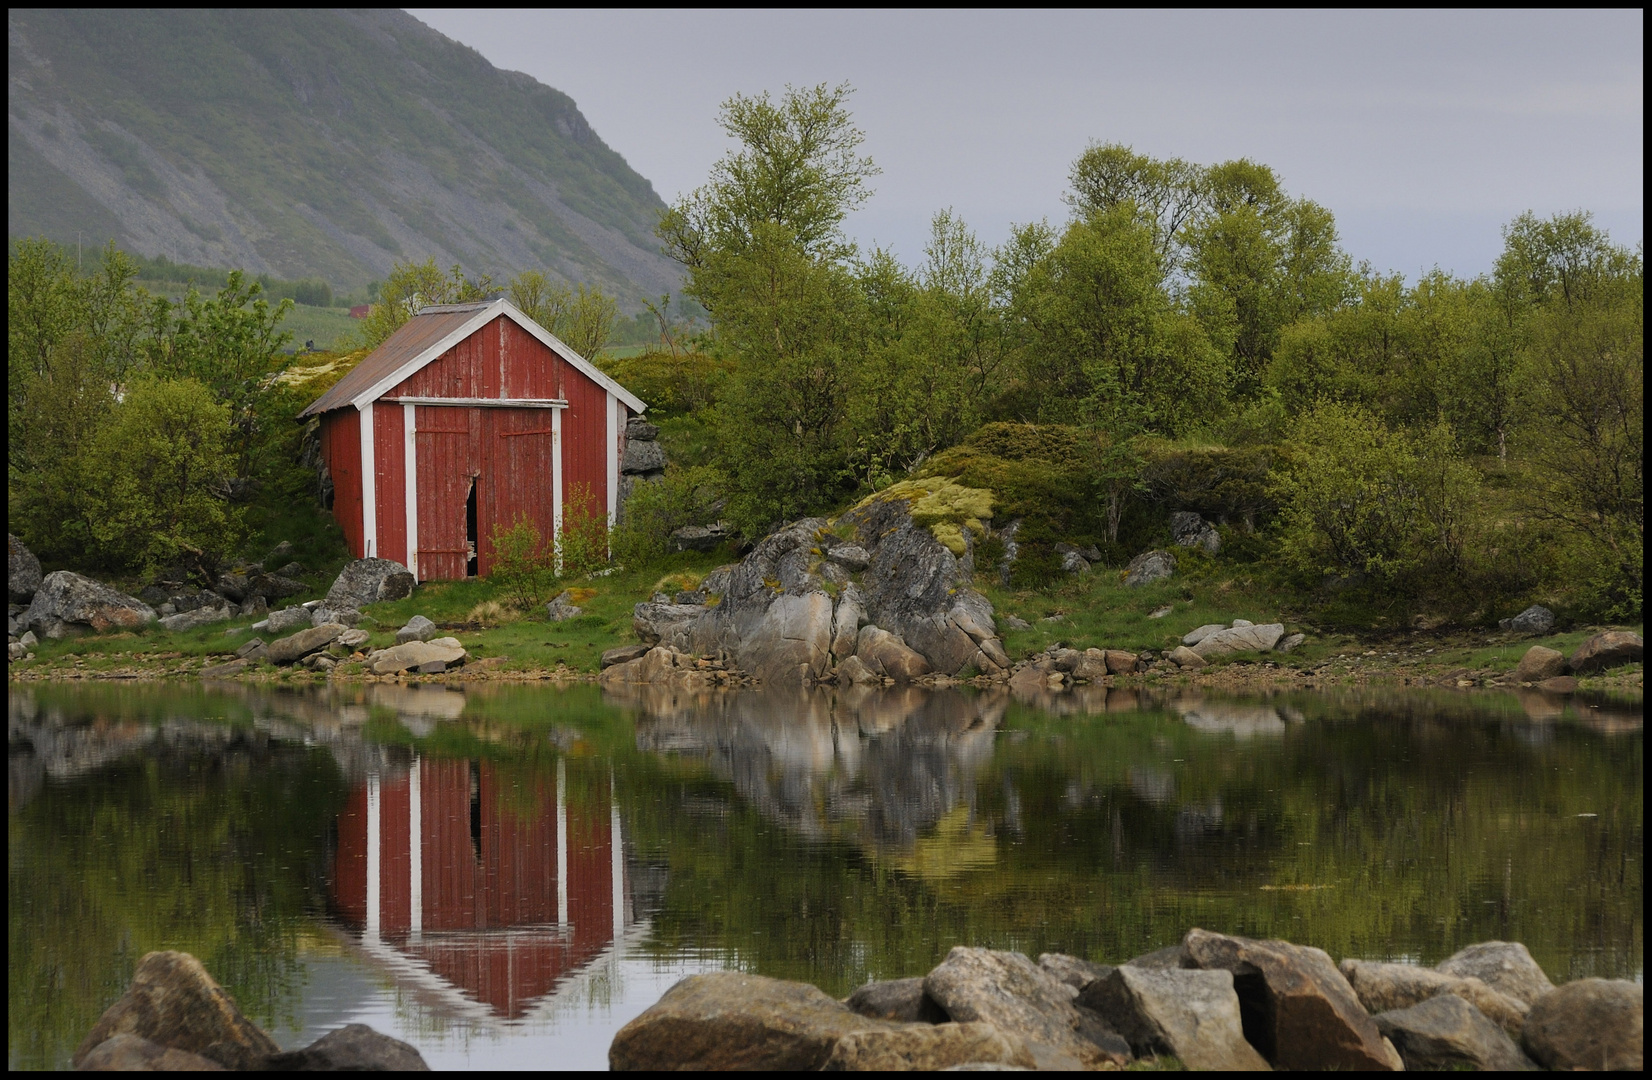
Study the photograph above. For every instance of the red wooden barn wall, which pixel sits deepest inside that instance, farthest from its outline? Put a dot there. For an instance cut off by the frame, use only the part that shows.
(507, 880)
(389, 465)
(341, 450)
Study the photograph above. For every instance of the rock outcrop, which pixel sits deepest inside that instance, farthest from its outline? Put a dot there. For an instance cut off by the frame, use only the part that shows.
(790, 613)
(1191, 1014)
(1535, 621)
(1612, 648)
(173, 1002)
(1303, 1013)
(1505, 966)
(728, 1020)
(22, 571)
(1190, 530)
(67, 604)
(901, 1001)
(1446, 1032)
(1593, 1024)
(1387, 987)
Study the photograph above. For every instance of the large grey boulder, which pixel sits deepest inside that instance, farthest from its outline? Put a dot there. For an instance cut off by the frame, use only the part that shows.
(642, 457)
(416, 654)
(1189, 530)
(199, 617)
(1505, 966)
(1540, 663)
(67, 604)
(729, 1020)
(22, 571)
(1148, 567)
(1533, 622)
(1240, 639)
(369, 581)
(1199, 633)
(291, 618)
(1191, 1014)
(929, 1048)
(274, 586)
(1593, 1024)
(173, 1002)
(133, 1053)
(287, 650)
(1609, 649)
(352, 1048)
(1072, 970)
(418, 628)
(1010, 992)
(885, 654)
(1306, 1016)
(1388, 987)
(699, 537)
(1446, 1032)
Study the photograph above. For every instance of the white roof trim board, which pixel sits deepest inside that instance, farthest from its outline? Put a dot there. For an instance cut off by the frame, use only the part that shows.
(485, 314)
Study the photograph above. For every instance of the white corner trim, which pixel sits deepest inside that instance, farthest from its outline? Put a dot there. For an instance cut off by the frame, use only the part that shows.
(410, 463)
(611, 431)
(369, 486)
(482, 317)
(556, 491)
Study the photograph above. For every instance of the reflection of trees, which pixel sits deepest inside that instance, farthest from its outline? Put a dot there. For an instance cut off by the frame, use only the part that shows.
(212, 841)
(1434, 819)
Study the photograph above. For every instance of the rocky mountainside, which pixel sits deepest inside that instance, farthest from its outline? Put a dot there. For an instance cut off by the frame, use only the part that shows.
(305, 142)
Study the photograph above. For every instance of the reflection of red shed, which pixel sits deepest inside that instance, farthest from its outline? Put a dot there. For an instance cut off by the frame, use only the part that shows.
(500, 893)
(468, 417)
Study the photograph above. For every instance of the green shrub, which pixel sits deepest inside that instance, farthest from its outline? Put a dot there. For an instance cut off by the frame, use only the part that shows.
(157, 475)
(1231, 486)
(521, 564)
(671, 383)
(584, 541)
(685, 496)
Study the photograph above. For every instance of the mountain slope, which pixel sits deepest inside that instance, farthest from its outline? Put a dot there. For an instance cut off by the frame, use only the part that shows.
(300, 142)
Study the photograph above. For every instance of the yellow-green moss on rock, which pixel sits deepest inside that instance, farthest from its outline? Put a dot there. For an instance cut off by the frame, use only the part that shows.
(944, 506)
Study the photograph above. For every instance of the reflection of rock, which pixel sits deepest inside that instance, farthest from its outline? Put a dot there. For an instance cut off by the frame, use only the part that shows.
(1155, 786)
(419, 708)
(884, 764)
(1242, 721)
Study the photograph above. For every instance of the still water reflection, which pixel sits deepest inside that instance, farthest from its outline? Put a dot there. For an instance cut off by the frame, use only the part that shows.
(505, 876)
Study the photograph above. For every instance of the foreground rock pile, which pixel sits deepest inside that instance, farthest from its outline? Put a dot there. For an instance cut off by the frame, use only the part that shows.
(1214, 1001)
(176, 1018)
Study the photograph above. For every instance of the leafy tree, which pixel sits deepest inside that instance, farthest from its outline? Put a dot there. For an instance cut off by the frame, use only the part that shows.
(1165, 195)
(157, 474)
(582, 317)
(67, 403)
(411, 286)
(797, 169)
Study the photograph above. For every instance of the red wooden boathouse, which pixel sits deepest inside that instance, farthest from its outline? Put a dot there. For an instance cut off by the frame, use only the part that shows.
(469, 417)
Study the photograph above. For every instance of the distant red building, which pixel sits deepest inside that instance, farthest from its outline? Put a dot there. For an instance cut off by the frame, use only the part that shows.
(468, 418)
(361, 311)
(497, 892)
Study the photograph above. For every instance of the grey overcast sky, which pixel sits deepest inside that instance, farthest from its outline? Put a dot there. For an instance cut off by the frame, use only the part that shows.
(1423, 131)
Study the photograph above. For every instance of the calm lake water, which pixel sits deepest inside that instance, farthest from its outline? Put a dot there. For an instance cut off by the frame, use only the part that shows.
(505, 876)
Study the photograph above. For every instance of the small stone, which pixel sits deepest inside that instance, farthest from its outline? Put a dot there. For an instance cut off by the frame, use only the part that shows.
(352, 1048)
(254, 605)
(1593, 1024)
(432, 667)
(1540, 663)
(291, 618)
(1446, 1032)
(1120, 662)
(352, 639)
(418, 628)
(225, 670)
(1014, 622)
(1148, 567)
(1198, 634)
(1184, 657)
(288, 649)
(623, 654)
(1286, 644)
(1160, 612)
(1237, 623)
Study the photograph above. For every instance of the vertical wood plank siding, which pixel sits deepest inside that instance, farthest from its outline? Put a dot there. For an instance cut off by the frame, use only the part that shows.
(341, 450)
(508, 453)
(390, 482)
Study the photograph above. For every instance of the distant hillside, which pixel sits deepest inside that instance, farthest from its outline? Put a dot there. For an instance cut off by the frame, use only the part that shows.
(300, 143)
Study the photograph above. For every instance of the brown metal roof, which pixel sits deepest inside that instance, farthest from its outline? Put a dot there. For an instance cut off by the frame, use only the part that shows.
(416, 335)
